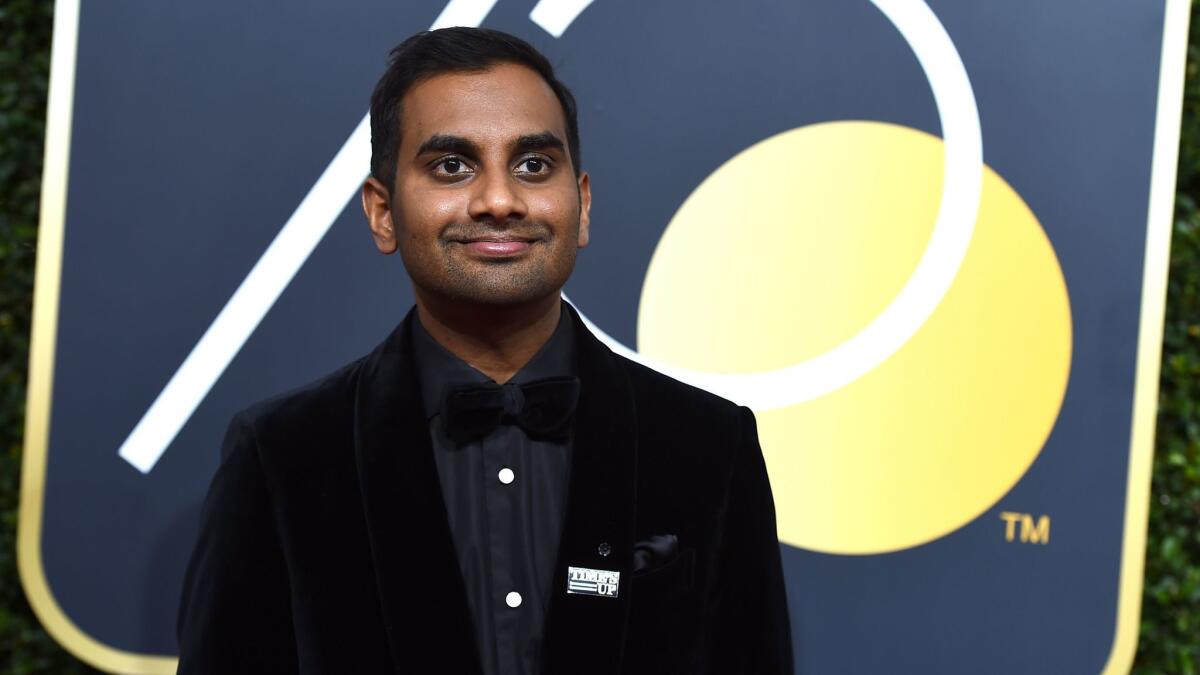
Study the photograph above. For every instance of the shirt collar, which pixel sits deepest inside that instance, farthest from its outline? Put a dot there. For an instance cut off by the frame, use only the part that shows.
(438, 369)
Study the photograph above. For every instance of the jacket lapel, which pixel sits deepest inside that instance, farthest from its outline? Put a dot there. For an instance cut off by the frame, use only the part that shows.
(421, 590)
(584, 633)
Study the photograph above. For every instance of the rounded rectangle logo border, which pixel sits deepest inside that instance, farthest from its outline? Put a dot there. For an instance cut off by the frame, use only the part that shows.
(45, 318)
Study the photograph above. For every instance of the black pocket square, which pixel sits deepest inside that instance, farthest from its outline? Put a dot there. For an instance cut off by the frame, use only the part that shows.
(655, 552)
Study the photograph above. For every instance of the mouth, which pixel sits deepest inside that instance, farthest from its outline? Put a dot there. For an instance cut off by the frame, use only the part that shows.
(497, 245)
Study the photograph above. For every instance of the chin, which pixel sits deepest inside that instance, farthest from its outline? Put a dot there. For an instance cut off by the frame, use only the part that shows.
(496, 293)
(508, 297)
(497, 284)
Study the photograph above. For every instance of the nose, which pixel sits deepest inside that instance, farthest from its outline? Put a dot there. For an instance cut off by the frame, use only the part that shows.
(496, 197)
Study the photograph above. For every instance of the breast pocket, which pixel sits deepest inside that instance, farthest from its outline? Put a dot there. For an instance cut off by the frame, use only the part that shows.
(673, 576)
(662, 617)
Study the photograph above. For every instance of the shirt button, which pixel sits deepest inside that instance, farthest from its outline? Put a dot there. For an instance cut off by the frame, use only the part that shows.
(513, 599)
(506, 476)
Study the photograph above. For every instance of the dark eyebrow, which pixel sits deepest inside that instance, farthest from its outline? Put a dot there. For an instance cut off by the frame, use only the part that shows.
(543, 141)
(452, 144)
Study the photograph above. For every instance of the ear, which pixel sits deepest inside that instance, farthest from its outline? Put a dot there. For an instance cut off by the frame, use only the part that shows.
(585, 207)
(378, 208)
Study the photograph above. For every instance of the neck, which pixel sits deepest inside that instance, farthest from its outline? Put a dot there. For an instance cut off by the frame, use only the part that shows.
(495, 340)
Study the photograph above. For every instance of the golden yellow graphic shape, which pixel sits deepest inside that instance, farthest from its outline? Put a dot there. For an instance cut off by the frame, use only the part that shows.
(793, 246)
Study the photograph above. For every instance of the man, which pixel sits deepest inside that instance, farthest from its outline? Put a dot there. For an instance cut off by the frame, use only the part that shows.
(491, 490)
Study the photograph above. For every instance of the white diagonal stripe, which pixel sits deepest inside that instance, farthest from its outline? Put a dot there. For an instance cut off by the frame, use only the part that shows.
(463, 13)
(268, 278)
(555, 16)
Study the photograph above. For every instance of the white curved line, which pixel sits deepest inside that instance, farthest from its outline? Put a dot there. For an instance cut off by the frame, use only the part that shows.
(827, 372)
(555, 16)
(935, 272)
(268, 278)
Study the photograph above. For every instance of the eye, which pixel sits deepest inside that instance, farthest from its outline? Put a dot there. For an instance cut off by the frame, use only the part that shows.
(451, 166)
(535, 166)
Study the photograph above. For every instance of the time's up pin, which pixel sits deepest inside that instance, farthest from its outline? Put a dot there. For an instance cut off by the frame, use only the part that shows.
(586, 581)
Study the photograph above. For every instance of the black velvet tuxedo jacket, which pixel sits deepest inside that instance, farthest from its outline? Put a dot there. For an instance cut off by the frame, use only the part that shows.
(325, 548)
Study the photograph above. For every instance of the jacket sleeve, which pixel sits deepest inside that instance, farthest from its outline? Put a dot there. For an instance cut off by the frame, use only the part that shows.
(235, 611)
(752, 633)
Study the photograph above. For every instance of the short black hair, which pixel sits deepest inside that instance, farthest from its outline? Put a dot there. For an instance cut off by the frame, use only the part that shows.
(448, 50)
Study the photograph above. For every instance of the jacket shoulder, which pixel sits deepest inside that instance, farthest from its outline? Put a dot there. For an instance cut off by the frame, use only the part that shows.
(681, 424)
(690, 444)
(663, 399)
(309, 411)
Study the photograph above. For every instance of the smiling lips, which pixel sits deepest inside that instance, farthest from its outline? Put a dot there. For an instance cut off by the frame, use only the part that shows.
(498, 247)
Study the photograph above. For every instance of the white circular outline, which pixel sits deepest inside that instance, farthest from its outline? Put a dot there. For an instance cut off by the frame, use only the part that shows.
(935, 272)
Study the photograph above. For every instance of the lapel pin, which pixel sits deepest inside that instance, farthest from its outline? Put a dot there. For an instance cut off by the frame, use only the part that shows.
(586, 581)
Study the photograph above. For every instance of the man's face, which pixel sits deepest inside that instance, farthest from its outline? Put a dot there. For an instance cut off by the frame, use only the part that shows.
(485, 207)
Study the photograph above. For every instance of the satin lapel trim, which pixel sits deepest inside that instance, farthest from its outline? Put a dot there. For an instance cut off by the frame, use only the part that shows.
(584, 633)
(421, 590)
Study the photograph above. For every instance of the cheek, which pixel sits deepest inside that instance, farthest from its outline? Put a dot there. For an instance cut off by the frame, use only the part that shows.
(445, 206)
(426, 212)
(559, 210)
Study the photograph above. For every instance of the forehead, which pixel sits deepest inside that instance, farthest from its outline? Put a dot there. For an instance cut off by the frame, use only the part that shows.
(506, 100)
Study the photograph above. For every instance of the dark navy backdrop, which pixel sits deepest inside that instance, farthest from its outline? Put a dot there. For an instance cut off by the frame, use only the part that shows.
(199, 126)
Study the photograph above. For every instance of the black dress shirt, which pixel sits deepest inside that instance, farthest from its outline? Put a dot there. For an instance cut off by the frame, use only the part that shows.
(505, 495)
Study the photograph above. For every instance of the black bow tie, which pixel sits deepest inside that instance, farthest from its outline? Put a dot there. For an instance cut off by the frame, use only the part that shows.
(543, 408)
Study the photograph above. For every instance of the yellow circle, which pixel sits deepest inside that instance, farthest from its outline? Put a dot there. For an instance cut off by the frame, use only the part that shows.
(798, 242)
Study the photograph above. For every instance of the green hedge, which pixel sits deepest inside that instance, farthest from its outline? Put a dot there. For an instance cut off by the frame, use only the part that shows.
(1170, 641)
(25, 27)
